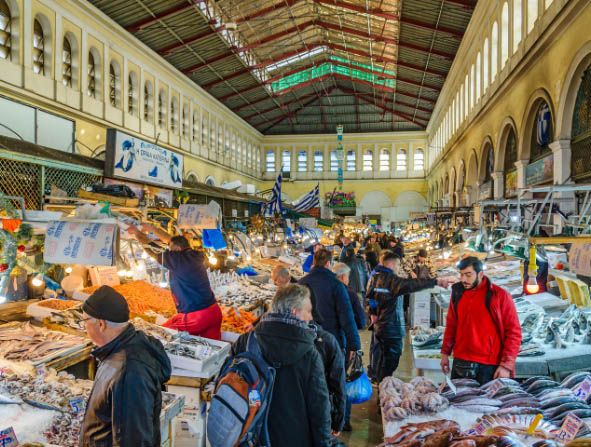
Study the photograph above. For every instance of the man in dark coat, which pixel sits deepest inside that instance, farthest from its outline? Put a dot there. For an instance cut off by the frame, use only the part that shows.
(358, 275)
(343, 273)
(332, 302)
(300, 407)
(126, 400)
(384, 293)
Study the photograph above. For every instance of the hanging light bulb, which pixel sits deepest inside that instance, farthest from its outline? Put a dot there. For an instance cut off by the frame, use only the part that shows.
(249, 258)
(213, 260)
(37, 280)
(122, 272)
(129, 273)
(145, 255)
(532, 287)
(68, 270)
(231, 257)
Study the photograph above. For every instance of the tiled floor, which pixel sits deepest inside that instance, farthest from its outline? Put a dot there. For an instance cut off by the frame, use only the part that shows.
(365, 419)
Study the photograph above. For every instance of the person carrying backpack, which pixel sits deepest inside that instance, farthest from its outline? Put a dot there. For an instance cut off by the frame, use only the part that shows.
(482, 329)
(299, 410)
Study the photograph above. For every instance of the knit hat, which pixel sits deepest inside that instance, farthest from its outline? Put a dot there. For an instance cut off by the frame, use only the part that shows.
(107, 304)
(423, 253)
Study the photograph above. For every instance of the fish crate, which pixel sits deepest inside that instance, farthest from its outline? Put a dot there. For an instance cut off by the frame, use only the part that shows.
(211, 361)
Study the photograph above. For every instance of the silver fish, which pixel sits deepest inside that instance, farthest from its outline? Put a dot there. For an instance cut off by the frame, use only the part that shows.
(570, 334)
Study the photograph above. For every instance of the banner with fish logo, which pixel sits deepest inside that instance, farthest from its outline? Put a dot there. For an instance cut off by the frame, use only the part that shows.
(132, 158)
(81, 243)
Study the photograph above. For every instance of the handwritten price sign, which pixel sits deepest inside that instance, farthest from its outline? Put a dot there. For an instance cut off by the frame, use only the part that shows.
(197, 216)
(496, 386)
(570, 427)
(583, 389)
(8, 438)
(77, 404)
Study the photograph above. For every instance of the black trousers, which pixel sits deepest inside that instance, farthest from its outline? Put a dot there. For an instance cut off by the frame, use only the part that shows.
(463, 369)
(390, 356)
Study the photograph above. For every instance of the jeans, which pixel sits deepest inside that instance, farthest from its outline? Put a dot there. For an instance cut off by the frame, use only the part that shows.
(391, 351)
(463, 369)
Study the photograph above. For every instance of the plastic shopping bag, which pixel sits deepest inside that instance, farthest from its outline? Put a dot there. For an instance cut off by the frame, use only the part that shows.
(360, 390)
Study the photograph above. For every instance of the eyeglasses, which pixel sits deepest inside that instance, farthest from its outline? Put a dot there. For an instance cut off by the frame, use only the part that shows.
(82, 322)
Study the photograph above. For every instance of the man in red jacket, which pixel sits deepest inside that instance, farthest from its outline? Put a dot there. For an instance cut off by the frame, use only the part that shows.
(482, 328)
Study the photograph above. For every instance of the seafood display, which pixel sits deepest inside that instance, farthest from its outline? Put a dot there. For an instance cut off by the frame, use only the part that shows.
(243, 293)
(439, 433)
(237, 321)
(427, 338)
(399, 400)
(25, 342)
(58, 304)
(143, 298)
(162, 334)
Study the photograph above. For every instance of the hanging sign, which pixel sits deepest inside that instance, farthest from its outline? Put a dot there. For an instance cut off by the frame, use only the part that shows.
(543, 122)
(197, 217)
(131, 158)
(81, 243)
(8, 438)
(540, 171)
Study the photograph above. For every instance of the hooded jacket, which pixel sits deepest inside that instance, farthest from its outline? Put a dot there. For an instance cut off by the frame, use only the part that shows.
(333, 307)
(126, 399)
(475, 333)
(358, 276)
(299, 415)
(384, 291)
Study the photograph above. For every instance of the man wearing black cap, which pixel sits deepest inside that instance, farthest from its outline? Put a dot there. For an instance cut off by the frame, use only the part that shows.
(421, 268)
(126, 400)
(198, 310)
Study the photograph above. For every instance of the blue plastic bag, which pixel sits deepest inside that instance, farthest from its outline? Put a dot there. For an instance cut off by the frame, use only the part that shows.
(214, 239)
(360, 390)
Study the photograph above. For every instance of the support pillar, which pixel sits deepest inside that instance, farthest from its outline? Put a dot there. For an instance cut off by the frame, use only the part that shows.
(498, 184)
(562, 153)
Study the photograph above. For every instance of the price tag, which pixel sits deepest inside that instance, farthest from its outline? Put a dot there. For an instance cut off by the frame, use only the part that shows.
(496, 386)
(569, 428)
(482, 427)
(237, 312)
(42, 371)
(77, 404)
(470, 432)
(583, 389)
(8, 438)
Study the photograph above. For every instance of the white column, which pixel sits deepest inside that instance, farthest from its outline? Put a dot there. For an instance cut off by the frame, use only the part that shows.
(498, 184)
(562, 152)
(59, 44)
(359, 159)
(83, 64)
(124, 86)
(376, 158)
(105, 87)
(27, 49)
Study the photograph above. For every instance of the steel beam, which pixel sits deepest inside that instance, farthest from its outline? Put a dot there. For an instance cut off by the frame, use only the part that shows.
(206, 63)
(169, 49)
(138, 26)
(225, 78)
(471, 4)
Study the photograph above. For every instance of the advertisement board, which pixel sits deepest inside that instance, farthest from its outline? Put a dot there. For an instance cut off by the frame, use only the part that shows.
(511, 183)
(131, 158)
(540, 171)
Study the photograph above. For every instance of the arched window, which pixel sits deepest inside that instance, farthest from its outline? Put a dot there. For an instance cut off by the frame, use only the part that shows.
(473, 88)
(220, 137)
(461, 104)
(132, 84)
(162, 109)
(494, 52)
(66, 63)
(542, 133)
(581, 130)
(485, 65)
(94, 71)
(510, 151)
(334, 163)
(490, 165)
(302, 161)
(505, 34)
(38, 48)
(258, 157)
(204, 130)
(270, 160)
(185, 121)
(532, 14)
(210, 181)
(212, 136)
(195, 126)
(250, 156)
(318, 161)
(234, 145)
(5, 31)
(114, 84)
(148, 101)
(466, 99)
(419, 160)
(286, 161)
(478, 78)
(228, 145)
(174, 115)
(351, 160)
(401, 160)
(384, 159)
(517, 23)
(368, 160)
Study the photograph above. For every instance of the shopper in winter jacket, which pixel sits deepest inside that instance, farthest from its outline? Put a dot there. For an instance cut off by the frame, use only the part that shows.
(300, 408)
(359, 273)
(343, 274)
(482, 329)
(126, 400)
(332, 302)
(307, 266)
(384, 293)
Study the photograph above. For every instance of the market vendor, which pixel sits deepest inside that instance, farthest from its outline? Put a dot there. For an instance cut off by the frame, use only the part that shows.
(198, 311)
(482, 328)
(126, 400)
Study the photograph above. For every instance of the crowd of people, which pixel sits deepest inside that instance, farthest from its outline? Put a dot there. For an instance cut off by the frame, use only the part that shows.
(309, 337)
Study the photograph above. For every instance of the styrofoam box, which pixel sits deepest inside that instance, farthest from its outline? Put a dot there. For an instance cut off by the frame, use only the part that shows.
(38, 312)
(230, 337)
(192, 394)
(212, 361)
(423, 363)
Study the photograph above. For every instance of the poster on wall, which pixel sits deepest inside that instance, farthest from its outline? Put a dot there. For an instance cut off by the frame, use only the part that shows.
(511, 183)
(131, 158)
(540, 171)
(159, 196)
(486, 191)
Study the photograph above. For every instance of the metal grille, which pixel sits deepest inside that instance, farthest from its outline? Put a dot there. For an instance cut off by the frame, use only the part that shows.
(68, 181)
(21, 179)
(581, 130)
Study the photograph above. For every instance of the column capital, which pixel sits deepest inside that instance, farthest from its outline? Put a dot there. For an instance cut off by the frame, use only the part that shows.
(497, 175)
(521, 163)
(560, 145)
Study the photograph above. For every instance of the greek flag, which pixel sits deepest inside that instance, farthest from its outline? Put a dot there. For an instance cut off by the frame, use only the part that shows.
(309, 201)
(543, 125)
(274, 205)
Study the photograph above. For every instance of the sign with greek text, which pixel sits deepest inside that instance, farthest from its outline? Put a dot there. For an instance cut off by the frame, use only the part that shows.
(197, 217)
(41, 370)
(84, 243)
(482, 427)
(579, 258)
(308, 222)
(583, 389)
(495, 386)
(77, 404)
(8, 438)
(570, 428)
(131, 158)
